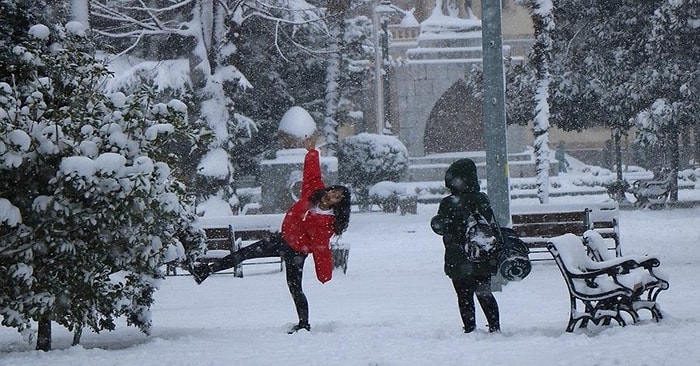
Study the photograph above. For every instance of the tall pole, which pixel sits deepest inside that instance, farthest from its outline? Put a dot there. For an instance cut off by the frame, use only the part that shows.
(387, 74)
(494, 111)
(379, 87)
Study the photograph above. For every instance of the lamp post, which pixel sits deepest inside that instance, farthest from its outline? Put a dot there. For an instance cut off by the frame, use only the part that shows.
(494, 111)
(383, 8)
(386, 73)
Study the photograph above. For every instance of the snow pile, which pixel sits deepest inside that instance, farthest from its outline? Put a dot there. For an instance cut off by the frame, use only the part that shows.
(297, 122)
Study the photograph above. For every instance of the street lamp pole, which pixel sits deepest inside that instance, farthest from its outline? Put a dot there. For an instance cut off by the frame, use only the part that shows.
(387, 74)
(379, 85)
(494, 111)
(383, 8)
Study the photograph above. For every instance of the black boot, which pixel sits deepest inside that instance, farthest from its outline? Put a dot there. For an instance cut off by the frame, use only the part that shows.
(200, 272)
(300, 326)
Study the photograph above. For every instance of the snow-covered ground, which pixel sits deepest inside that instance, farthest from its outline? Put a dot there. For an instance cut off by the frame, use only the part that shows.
(396, 307)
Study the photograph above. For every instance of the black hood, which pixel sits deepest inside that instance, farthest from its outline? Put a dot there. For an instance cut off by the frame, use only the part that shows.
(461, 177)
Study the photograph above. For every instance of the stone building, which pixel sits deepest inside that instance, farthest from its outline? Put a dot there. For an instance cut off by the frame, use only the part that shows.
(431, 106)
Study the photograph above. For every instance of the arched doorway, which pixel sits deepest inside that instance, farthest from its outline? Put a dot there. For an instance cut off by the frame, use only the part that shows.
(455, 122)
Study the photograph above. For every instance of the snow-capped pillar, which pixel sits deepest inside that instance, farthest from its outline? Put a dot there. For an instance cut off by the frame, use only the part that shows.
(280, 178)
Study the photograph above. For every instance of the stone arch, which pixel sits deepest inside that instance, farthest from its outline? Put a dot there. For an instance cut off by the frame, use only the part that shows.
(455, 123)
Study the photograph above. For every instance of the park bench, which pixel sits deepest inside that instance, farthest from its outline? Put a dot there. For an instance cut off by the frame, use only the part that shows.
(539, 224)
(226, 234)
(651, 193)
(605, 290)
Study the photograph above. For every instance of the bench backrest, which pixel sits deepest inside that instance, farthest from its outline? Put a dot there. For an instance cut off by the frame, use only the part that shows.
(536, 229)
(604, 221)
(596, 246)
(245, 227)
(219, 238)
(551, 224)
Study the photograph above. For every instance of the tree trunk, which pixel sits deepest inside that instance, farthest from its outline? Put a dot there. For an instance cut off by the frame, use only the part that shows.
(617, 140)
(43, 341)
(675, 162)
(619, 194)
(77, 333)
(80, 10)
(543, 21)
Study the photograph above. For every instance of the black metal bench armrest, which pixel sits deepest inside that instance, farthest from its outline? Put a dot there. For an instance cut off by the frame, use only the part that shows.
(613, 267)
(648, 263)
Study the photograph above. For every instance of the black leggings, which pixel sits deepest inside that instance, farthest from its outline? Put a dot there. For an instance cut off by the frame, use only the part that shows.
(293, 263)
(466, 288)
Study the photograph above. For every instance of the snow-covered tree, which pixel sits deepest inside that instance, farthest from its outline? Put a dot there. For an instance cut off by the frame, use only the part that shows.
(289, 70)
(336, 26)
(206, 35)
(541, 12)
(672, 76)
(90, 209)
(357, 71)
(598, 55)
(15, 18)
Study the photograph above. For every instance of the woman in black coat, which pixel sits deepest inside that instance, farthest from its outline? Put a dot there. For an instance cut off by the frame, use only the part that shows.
(469, 276)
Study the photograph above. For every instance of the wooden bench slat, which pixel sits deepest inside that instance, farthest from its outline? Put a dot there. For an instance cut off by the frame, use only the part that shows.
(549, 217)
(550, 229)
(253, 234)
(213, 233)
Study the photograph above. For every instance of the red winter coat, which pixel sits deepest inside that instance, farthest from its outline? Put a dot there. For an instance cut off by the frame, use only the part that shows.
(306, 231)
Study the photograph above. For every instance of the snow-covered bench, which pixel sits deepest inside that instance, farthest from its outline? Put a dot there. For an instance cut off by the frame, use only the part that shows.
(653, 281)
(651, 193)
(602, 291)
(390, 196)
(537, 224)
(226, 234)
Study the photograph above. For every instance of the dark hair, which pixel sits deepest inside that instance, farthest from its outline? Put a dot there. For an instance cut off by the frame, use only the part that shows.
(341, 209)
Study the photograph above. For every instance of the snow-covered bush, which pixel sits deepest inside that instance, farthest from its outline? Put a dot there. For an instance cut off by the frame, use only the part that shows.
(385, 194)
(388, 195)
(366, 159)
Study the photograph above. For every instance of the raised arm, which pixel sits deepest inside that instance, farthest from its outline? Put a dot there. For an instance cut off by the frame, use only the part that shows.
(311, 178)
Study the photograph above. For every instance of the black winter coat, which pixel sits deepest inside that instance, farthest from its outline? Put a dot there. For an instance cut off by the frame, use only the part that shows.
(451, 220)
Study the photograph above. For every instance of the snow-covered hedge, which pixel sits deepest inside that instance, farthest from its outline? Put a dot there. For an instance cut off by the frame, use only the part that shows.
(366, 159)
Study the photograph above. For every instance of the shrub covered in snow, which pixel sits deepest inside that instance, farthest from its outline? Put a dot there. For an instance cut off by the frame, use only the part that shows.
(366, 159)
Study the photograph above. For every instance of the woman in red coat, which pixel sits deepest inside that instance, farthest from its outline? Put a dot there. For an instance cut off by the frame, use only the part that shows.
(307, 228)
